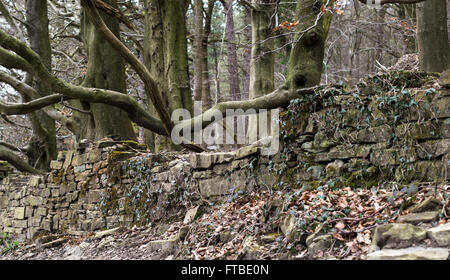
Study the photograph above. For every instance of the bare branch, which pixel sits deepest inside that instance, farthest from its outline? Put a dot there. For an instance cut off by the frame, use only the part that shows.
(6, 119)
(16, 161)
(28, 107)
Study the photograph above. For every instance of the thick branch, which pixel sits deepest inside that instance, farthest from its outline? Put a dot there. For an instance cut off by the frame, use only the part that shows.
(29, 107)
(16, 161)
(11, 147)
(279, 98)
(32, 94)
(13, 61)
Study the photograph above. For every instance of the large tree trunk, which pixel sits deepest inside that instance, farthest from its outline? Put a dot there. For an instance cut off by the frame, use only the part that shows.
(262, 63)
(306, 60)
(106, 70)
(432, 35)
(43, 144)
(165, 55)
(230, 36)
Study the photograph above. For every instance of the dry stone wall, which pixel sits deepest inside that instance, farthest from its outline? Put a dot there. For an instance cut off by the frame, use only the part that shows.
(391, 129)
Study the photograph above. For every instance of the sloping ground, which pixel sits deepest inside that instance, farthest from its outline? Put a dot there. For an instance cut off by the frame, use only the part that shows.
(325, 223)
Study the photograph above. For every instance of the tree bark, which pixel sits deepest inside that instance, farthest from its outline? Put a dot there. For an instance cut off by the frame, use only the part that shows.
(165, 56)
(306, 59)
(106, 69)
(202, 29)
(230, 36)
(197, 50)
(16, 161)
(44, 131)
(432, 36)
(247, 53)
(206, 87)
(262, 62)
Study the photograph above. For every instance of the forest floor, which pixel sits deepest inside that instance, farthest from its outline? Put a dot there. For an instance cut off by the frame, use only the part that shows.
(259, 225)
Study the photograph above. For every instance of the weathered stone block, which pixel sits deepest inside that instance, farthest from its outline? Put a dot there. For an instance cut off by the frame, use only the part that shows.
(429, 204)
(41, 211)
(347, 151)
(54, 164)
(393, 156)
(379, 134)
(19, 213)
(413, 253)
(335, 168)
(440, 234)
(433, 148)
(397, 235)
(247, 151)
(20, 223)
(310, 147)
(95, 196)
(416, 218)
(34, 181)
(68, 160)
(35, 201)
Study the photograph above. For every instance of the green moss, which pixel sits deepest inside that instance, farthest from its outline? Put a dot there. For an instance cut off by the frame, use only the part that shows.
(58, 177)
(120, 155)
(364, 178)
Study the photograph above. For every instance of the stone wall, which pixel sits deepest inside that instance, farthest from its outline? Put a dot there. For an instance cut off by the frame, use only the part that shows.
(392, 129)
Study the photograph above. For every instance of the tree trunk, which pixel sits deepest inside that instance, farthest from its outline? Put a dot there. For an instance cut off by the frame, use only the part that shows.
(262, 63)
(230, 36)
(448, 21)
(165, 55)
(202, 31)
(106, 70)
(432, 35)
(43, 144)
(306, 60)
(206, 87)
(247, 53)
(197, 50)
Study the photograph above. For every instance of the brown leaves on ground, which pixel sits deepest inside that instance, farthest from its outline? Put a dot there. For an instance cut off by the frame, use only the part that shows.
(351, 215)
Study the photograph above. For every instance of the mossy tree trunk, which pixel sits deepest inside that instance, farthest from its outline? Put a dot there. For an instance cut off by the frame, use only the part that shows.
(262, 61)
(432, 35)
(106, 70)
(165, 55)
(306, 59)
(42, 148)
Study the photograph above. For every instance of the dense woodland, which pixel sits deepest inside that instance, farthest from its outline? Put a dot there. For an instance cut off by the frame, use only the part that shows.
(95, 69)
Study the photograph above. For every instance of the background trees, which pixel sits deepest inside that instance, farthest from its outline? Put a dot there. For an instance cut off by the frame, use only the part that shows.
(105, 68)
